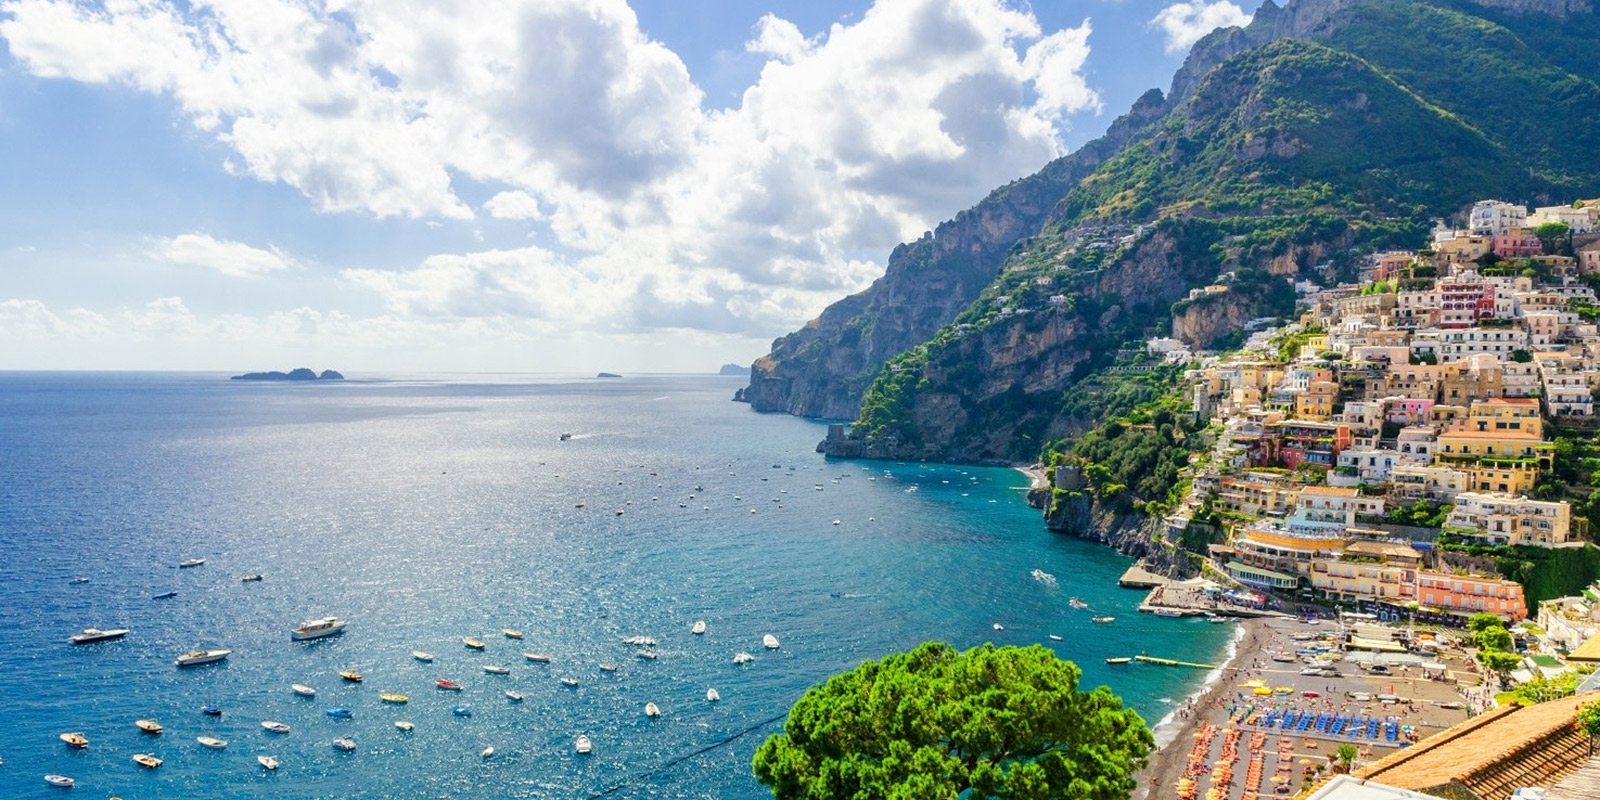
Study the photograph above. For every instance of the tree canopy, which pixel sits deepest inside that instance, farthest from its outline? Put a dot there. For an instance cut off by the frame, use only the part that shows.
(1006, 723)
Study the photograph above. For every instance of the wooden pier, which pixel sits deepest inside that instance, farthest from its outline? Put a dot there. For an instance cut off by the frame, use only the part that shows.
(1167, 662)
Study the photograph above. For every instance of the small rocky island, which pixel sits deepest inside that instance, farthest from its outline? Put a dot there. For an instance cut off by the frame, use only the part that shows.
(733, 369)
(608, 375)
(301, 374)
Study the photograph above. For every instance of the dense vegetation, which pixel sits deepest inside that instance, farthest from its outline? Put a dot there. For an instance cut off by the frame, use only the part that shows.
(1544, 573)
(1006, 723)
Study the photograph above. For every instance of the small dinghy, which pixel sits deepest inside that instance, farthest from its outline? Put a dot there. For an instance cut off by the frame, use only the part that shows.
(163, 595)
(488, 752)
(712, 696)
(60, 781)
(512, 633)
(648, 655)
(1123, 660)
(146, 760)
(743, 658)
(583, 745)
(350, 675)
(1055, 637)
(211, 742)
(193, 562)
(699, 627)
(344, 744)
(392, 697)
(770, 642)
(404, 725)
(267, 761)
(303, 690)
(148, 725)
(340, 713)
(652, 710)
(211, 711)
(274, 727)
(473, 644)
(495, 669)
(1103, 620)
(449, 686)
(513, 695)
(608, 667)
(249, 578)
(422, 656)
(569, 682)
(462, 711)
(76, 741)
(539, 657)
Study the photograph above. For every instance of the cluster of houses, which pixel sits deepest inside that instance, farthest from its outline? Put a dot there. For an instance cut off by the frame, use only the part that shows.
(1428, 386)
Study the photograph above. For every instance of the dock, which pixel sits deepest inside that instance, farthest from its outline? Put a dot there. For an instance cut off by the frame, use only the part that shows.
(1167, 662)
(1137, 577)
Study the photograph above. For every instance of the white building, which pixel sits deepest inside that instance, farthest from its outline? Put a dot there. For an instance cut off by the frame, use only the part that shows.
(1503, 519)
(1494, 218)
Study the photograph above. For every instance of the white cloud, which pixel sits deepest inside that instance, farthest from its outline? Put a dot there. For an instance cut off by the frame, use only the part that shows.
(1186, 23)
(663, 212)
(226, 257)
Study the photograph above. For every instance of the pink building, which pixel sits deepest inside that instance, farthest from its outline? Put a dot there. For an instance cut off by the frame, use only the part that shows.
(1409, 411)
(1517, 243)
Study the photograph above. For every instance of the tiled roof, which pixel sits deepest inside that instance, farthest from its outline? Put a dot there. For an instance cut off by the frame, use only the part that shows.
(1493, 754)
(1588, 651)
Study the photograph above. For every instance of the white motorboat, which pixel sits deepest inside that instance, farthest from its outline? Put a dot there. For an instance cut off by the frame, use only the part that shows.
(743, 658)
(193, 562)
(1103, 620)
(196, 657)
(488, 752)
(344, 744)
(148, 725)
(569, 681)
(770, 642)
(275, 727)
(267, 761)
(514, 695)
(583, 745)
(90, 635)
(1055, 637)
(1043, 577)
(303, 690)
(512, 633)
(648, 655)
(146, 760)
(473, 644)
(424, 657)
(607, 666)
(495, 669)
(652, 710)
(712, 696)
(404, 725)
(699, 627)
(318, 628)
(254, 576)
(642, 641)
(76, 741)
(60, 781)
(1168, 612)
(539, 657)
(999, 627)
(211, 742)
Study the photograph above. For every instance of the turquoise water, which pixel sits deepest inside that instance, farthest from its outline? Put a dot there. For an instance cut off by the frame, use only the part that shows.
(425, 509)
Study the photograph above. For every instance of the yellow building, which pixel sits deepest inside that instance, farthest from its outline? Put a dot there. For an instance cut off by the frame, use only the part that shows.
(1316, 402)
(1273, 558)
(1502, 445)
(1368, 570)
(1506, 477)
(1505, 414)
(1255, 498)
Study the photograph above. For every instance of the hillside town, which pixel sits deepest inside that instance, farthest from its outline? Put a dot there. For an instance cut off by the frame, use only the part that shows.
(1374, 457)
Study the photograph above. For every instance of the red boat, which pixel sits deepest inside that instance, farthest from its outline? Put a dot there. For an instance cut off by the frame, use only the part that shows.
(451, 685)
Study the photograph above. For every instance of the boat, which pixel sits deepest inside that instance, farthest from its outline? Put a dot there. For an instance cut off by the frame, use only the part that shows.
(488, 752)
(583, 745)
(652, 710)
(274, 727)
(1103, 620)
(193, 562)
(1218, 620)
(606, 666)
(1042, 576)
(254, 576)
(340, 712)
(344, 744)
(96, 635)
(1168, 612)
(267, 761)
(565, 437)
(1121, 660)
(146, 760)
(197, 657)
(698, 628)
(743, 658)
(423, 656)
(770, 642)
(78, 580)
(350, 675)
(712, 696)
(496, 669)
(642, 641)
(211, 742)
(539, 657)
(163, 595)
(512, 633)
(462, 711)
(1055, 637)
(1076, 603)
(404, 725)
(303, 690)
(473, 644)
(392, 697)
(148, 725)
(75, 740)
(211, 711)
(999, 627)
(449, 686)
(514, 695)
(648, 655)
(318, 628)
(569, 681)
(60, 781)
(1283, 658)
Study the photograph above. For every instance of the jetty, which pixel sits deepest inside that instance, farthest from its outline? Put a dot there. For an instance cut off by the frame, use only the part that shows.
(1137, 577)
(1168, 662)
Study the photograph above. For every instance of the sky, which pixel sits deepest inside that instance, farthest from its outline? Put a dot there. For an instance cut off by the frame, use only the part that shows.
(382, 186)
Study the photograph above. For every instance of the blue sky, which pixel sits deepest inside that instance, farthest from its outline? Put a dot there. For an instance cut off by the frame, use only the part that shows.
(513, 185)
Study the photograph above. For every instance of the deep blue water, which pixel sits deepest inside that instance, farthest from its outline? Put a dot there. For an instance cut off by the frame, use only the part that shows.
(425, 509)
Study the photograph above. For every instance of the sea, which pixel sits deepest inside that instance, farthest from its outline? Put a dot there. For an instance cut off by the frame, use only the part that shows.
(424, 509)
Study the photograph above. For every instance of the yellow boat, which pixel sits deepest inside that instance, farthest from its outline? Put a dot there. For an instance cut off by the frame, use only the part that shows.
(391, 697)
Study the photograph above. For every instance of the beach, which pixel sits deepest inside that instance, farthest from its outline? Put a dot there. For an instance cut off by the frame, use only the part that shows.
(1227, 726)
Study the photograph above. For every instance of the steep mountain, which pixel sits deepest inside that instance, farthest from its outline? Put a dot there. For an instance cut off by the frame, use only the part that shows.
(1323, 129)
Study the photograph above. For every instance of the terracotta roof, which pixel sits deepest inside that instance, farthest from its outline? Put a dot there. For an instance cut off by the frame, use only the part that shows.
(1492, 754)
(1588, 651)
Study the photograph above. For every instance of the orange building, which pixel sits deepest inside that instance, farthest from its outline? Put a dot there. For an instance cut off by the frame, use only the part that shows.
(1466, 595)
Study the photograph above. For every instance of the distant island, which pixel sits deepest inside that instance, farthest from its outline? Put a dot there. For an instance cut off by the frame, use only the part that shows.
(301, 374)
(733, 369)
(608, 375)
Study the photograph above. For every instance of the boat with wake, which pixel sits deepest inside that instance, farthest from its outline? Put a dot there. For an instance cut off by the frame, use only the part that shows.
(318, 628)
(195, 658)
(91, 635)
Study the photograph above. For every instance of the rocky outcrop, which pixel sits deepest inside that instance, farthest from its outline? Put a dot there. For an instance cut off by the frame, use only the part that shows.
(822, 369)
(1555, 8)
(1302, 19)
(1129, 532)
(301, 374)
(1209, 318)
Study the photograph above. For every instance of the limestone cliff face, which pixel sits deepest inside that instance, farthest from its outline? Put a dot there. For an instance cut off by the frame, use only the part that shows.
(1131, 533)
(822, 369)
(1209, 319)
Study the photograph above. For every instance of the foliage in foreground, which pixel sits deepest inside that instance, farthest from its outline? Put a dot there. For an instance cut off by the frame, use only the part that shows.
(1007, 723)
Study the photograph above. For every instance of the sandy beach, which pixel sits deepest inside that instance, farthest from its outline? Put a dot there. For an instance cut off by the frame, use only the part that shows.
(1228, 728)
